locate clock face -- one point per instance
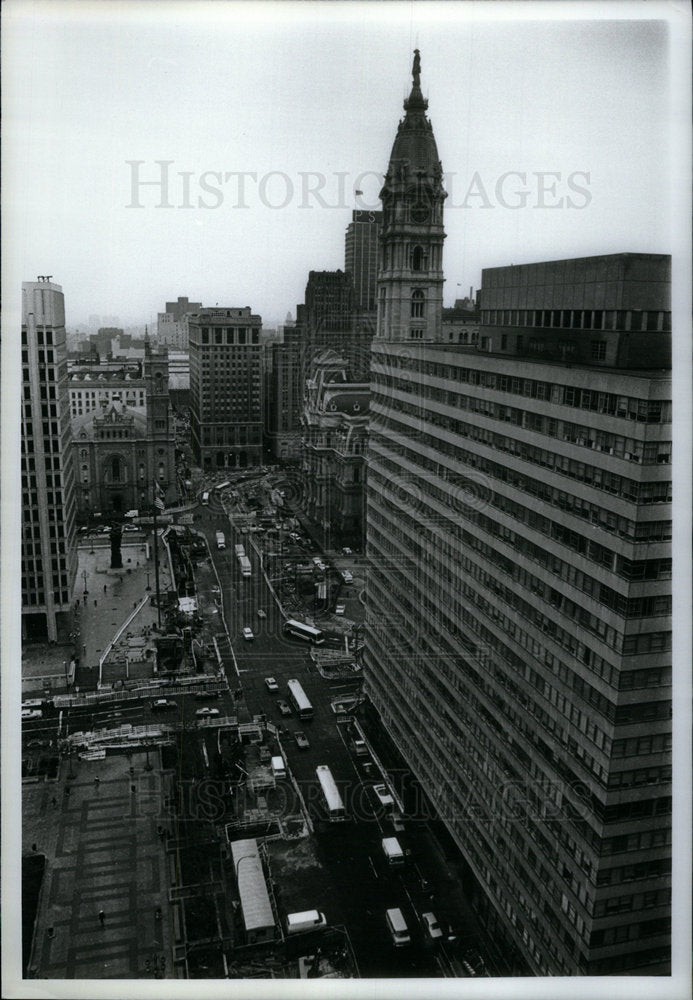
(420, 212)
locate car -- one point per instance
(206, 695)
(261, 613)
(130, 527)
(302, 741)
(202, 712)
(340, 608)
(431, 925)
(32, 713)
(346, 551)
(161, 704)
(284, 707)
(347, 576)
(383, 795)
(248, 633)
(271, 684)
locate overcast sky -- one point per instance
(308, 96)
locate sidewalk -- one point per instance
(103, 598)
(103, 853)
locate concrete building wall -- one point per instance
(49, 550)
(519, 536)
(226, 388)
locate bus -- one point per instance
(297, 697)
(303, 631)
(205, 499)
(335, 806)
(222, 486)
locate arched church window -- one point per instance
(418, 301)
(418, 258)
(115, 469)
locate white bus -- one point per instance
(303, 631)
(297, 697)
(335, 806)
(205, 499)
(222, 486)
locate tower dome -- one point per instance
(414, 151)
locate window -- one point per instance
(418, 259)
(417, 303)
(598, 350)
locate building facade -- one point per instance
(361, 252)
(49, 548)
(226, 388)
(284, 395)
(92, 386)
(124, 453)
(172, 324)
(334, 425)
(519, 646)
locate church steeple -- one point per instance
(410, 280)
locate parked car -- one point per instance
(347, 576)
(261, 613)
(302, 741)
(271, 684)
(284, 707)
(340, 608)
(206, 695)
(201, 712)
(346, 551)
(383, 795)
(32, 713)
(248, 633)
(433, 928)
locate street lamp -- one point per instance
(84, 577)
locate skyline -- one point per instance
(527, 124)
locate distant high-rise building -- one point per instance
(361, 256)
(329, 319)
(226, 390)
(519, 592)
(284, 396)
(49, 549)
(172, 324)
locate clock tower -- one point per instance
(410, 278)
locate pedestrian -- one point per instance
(102, 917)
(54, 801)
(95, 603)
(105, 588)
(97, 781)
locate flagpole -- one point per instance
(156, 559)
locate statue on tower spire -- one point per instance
(416, 69)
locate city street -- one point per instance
(353, 885)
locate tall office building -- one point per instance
(49, 549)
(361, 245)
(226, 391)
(519, 525)
(329, 319)
(284, 397)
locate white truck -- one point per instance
(221, 540)
(392, 850)
(239, 550)
(245, 565)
